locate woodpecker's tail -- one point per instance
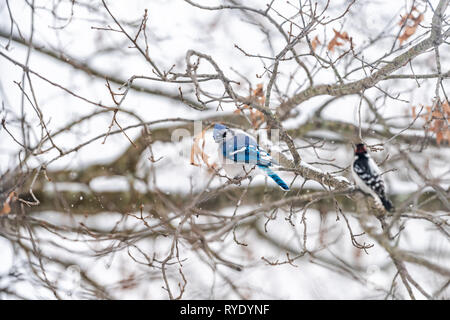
(275, 177)
(387, 203)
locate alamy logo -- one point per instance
(235, 145)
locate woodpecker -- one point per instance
(368, 177)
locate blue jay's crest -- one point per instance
(360, 148)
(219, 132)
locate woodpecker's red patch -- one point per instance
(360, 148)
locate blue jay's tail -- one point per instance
(275, 177)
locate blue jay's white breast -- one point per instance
(233, 169)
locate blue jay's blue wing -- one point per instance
(242, 148)
(251, 154)
(275, 177)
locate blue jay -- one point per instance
(240, 153)
(368, 177)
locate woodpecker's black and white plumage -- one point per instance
(368, 177)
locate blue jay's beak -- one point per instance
(219, 131)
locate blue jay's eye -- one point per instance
(224, 134)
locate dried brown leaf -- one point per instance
(411, 23)
(436, 120)
(198, 151)
(6, 205)
(335, 43)
(315, 43)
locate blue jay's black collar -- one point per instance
(222, 132)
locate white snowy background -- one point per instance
(179, 27)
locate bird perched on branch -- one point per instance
(240, 153)
(368, 177)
